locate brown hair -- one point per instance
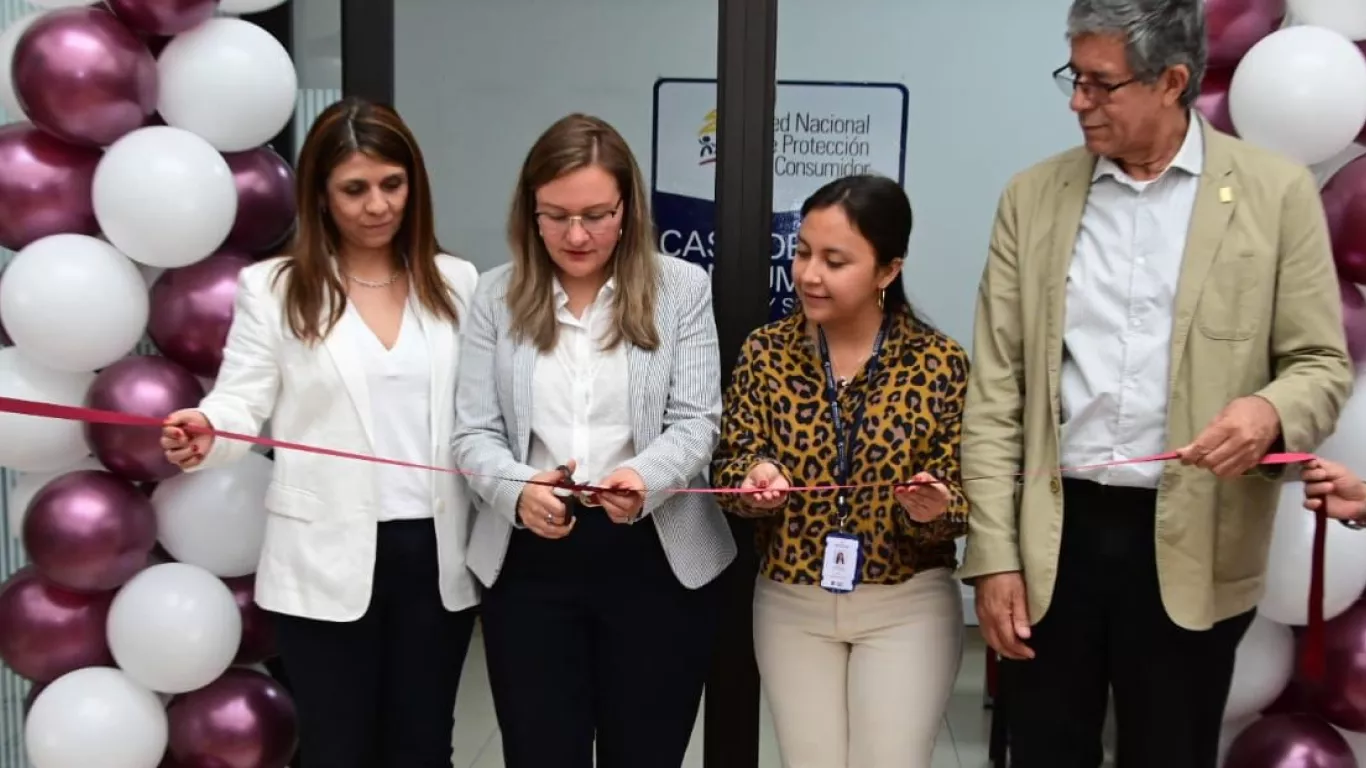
(574, 142)
(314, 296)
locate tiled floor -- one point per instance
(962, 740)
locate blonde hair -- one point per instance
(574, 142)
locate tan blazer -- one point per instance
(1257, 311)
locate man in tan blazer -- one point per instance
(1163, 288)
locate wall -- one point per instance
(479, 81)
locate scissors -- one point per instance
(585, 498)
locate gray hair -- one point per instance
(1157, 34)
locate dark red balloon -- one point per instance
(265, 200)
(47, 631)
(1232, 27)
(44, 186)
(258, 633)
(145, 385)
(1344, 203)
(1354, 320)
(191, 311)
(163, 17)
(1290, 741)
(89, 531)
(1213, 99)
(244, 719)
(1341, 695)
(84, 77)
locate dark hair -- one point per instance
(878, 209)
(314, 297)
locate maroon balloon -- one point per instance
(1232, 27)
(1290, 741)
(191, 311)
(1213, 99)
(1354, 320)
(44, 186)
(89, 531)
(265, 200)
(163, 17)
(1341, 695)
(258, 633)
(1344, 202)
(82, 76)
(145, 385)
(244, 719)
(47, 631)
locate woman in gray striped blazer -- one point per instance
(592, 358)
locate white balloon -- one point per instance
(27, 485)
(1346, 17)
(216, 518)
(8, 40)
(96, 716)
(1357, 742)
(1300, 91)
(73, 303)
(242, 7)
(1287, 572)
(1265, 662)
(164, 196)
(174, 628)
(228, 81)
(32, 443)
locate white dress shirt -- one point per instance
(581, 405)
(399, 381)
(1121, 291)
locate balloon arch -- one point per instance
(135, 186)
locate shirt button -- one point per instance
(1054, 485)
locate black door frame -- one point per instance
(746, 65)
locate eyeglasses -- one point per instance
(594, 223)
(1096, 93)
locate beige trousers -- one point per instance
(859, 680)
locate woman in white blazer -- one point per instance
(591, 356)
(351, 342)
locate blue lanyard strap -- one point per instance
(844, 440)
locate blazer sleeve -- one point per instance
(248, 383)
(1313, 371)
(692, 412)
(993, 427)
(480, 443)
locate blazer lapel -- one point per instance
(352, 373)
(441, 352)
(638, 364)
(1071, 204)
(1214, 205)
(523, 380)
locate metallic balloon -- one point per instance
(266, 208)
(44, 186)
(1232, 27)
(191, 311)
(163, 17)
(1290, 741)
(1213, 99)
(145, 385)
(244, 719)
(1341, 696)
(1344, 202)
(84, 77)
(1354, 320)
(47, 631)
(89, 531)
(258, 633)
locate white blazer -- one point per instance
(318, 559)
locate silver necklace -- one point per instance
(373, 284)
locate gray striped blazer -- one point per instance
(676, 405)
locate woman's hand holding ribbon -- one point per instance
(765, 486)
(623, 507)
(540, 509)
(926, 500)
(185, 438)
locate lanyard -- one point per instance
(844, 439)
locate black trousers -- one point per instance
(1107, 628)
(592, 637)
(380, 690)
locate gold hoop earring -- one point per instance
(881, 297)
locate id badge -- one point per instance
(843, 559)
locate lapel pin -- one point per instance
(1226, 194)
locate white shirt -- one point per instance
(581, 405)
(1121, 291)
(399, 381)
